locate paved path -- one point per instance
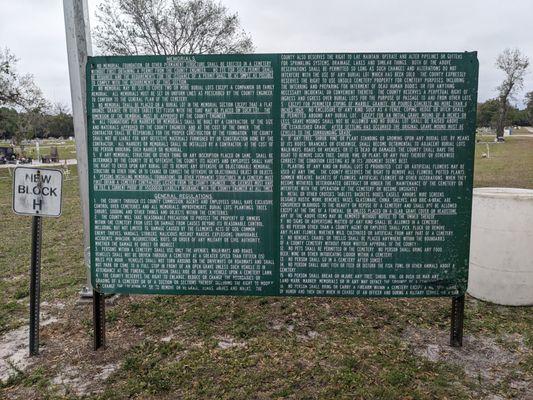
(72, 161)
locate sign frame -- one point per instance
(458, 300)
(276, 192)
(37, 170)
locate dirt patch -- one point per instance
(14, 351)
(73, 380)
(55, 305)
(14, 278)
(482, 358)
(310, 335)
(167, 338)
(280, 325)
(71, 367)
(226, 342)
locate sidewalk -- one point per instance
(72, 161)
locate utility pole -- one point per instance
(79, 47)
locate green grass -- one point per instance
(510, 163)
(296, 348)
(341, 363)
(522, 130)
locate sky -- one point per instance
(34, 31)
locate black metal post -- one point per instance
(458, 313)
(35, 283)
(99, 319)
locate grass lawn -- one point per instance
(523, 130)
(510, 163)
(194, 347)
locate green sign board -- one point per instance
(282, 174)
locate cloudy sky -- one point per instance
(34, 31)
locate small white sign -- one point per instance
(37, 191)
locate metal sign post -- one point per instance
(458, 312)
(35, 283)
(36, 192)
(99, 319)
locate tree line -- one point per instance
(488, 114)
(18, 126)
(129, 27)
(24, 112)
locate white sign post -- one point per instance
(79, 47)
(36, 192)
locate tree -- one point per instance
(517, 117)
(8, 122)
(8, 88)
(130, 27)
(514, 65)
(30, 124)
(59, 123)
(487, 113)
(529, 107)
(18, 91)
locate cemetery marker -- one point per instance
(337, 174)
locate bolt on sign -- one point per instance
(282, 174)
(37, 191)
